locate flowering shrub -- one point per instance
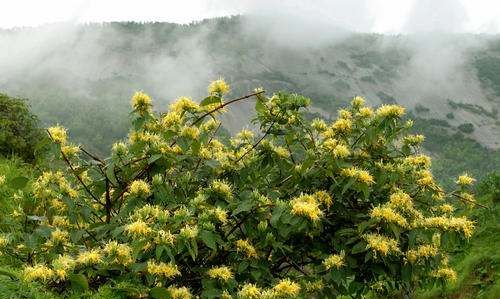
(305, 208)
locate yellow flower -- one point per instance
(141, 102)
(245, 134)
(362, 176)
(446, 273)
(319, 125)
(119, 149)
(120, 254)
(418, 161)
(426, 178)
(184, 104)
(221, 273)
(190, 132)
(58, 134)
(219, 87)
(344, 114)
(448, 223)
(138, 229)
(250, 291)
(38, 272)
(389, 215)
(390, 111)
(341, 151)
(3, 241)
(306, 205)
(342, 125)
(465, 180)
(170, 119)
(165, 238)
(381, 244)
(334, 260)
(246, 247)
(62, 265)
(189, 232)
(401, 200)
(179, 293)
(446, 208)
(139, 188)
(414, 139)
(222, 188)
(314, 286)
(220, 214)
(58, 237)
(69, 150)
(92, 257)
(281, 152)
(358, 101)
(366, 112)
(422, 252)
(286, 288)
(162, 269)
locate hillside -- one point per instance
(83, 76)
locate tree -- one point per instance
(19, 132)
(306, 208)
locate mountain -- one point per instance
(83, 75)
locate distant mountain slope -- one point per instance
(79, 74)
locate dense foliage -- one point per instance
(306, 208)
(19, 133)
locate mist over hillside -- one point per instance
(79, 74)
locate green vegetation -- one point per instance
(477, 263)
(19, 133)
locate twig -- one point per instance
(76, 174)
(225, 104)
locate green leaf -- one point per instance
(208, 238)
(159, 293)
(18, 182)
(259, 106)
(359, 247)
(211, 100)
(79, 282)
(110, 174)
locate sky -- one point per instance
(382, 16)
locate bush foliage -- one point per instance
(305, 208)
(19, 132)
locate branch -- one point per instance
(258, 142)
(76, 174)
(225, 104)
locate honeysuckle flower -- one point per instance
(218, 87)
(247, 248)
(465, 180)
(390, 111)
(141, 102)
(58, 134)
(286, 288)
(222, 273)
(162, 269)
(334, 260)
(250, 291)
(382, 244)
(139, 188)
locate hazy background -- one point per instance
(78, 62)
